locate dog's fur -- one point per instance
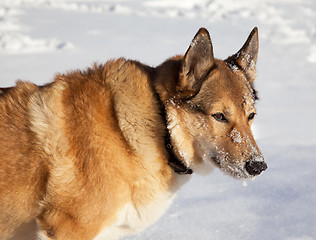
(91, 152)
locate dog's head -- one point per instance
(210, 106)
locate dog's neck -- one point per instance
(173, 161)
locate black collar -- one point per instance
(173, 161)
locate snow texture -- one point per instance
(41, 37)
(236, 137)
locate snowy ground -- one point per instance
(41, 37)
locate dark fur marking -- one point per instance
(3, 91)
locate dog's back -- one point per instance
(22, 171)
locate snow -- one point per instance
(236, 137)
(41, 37)
(13, 38)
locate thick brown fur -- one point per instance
(86, 153)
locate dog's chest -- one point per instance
(133, 219)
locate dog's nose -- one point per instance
(255, 167)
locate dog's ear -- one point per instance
(197, 63)
(246, 57)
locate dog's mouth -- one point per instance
(240, 169)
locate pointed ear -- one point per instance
(246, 57)
(197, 63)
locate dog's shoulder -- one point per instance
(135, 102)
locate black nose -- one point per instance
(255, 167)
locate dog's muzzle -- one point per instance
(254, 167)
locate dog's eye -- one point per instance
(220, 117)
(251, 116)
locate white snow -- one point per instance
(236, 137)
(14, 37)
(41, 37)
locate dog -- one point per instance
(101, 153)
